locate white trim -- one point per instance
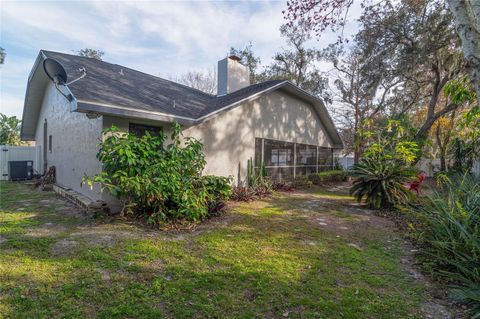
(135, 110)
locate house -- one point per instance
(275, 121)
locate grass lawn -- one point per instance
(300, 255)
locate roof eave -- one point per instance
(126, 112)
(28, 104)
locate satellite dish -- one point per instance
(55, 71)
(57, 74)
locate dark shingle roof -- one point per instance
(113, 84)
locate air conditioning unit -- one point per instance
(20, 170)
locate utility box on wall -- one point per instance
(20, 170)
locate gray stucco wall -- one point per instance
(74, 141)
(229, 138)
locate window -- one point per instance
(140, 129)
(50, 143)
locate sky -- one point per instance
(157, 37)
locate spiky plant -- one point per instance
(449, 230)
(381, 183)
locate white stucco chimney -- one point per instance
(232, 75)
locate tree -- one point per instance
(332, 14)
(205, 81)
(465, 147)
(298, 63)
(248, 58)
(2, 55)
(466, 15)
(416, 45)
(9, 130)
(443, 133)
(90, 53)
(360, 97)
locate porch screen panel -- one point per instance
(278, 157)
(306, 159)
(325, 159)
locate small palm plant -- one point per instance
(381, 183)
(386, 167)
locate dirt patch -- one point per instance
(103, 241)
(437, 306)
(64, 247)
(46, 230)
(105, 275)
(102, 235)
(434, 310)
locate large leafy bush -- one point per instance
(448, 225)
(162, 182)
(386, 167)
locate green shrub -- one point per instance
(328, 177)
(381, 183)
(218, 189)
(162, 182)
(301, 181)
(448, 226)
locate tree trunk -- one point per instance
(442, 148)
(466, 15)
